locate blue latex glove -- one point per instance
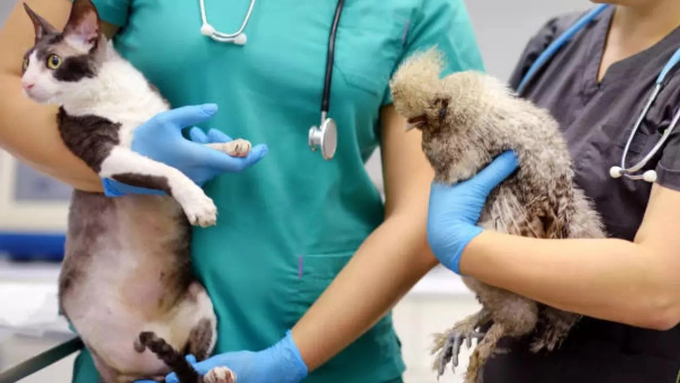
(454, 211)
(161, 139)
(280, 363)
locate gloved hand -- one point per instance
(280, 363)
(454, 210)
(161, 139)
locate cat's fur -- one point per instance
(467, 119)
(126, 283)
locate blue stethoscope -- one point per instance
(324, 136)
(615, 171)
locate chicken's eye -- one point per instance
(443, 108)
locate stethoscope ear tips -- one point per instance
(207, 30)
(649, 176)
(240, 39)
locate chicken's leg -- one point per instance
(484, 350)
(447, 345)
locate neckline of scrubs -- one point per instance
(618, 72)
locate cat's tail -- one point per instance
(183, 369)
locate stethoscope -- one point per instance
(324, 136)
(615, 171)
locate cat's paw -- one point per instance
(220, 375)
(235, 148)
(201, 211)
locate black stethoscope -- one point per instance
(324, 136)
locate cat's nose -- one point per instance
(27, 86)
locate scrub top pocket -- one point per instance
(315, 273)
(639, 144)
(592, 164)
(369, 44)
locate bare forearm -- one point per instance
(384, 269)
(29, 132)
(604, 278)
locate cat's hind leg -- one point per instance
(220, 375)
(203, 335)
(131, 168)
(107, 374)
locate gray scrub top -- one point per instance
(597, 118)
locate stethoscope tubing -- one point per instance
(224, 36)
(325, 133)
(557, 44)
(330, 59)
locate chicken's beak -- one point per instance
(416, 122)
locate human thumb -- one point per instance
(189, 115)
(496, 172)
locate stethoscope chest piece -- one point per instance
(324, 137)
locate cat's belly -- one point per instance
(126, 270)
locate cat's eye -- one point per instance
(53, 61)
(24, 66)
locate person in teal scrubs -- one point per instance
(306, 260)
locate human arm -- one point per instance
(384, 268)
(29, 131)
(395, 256)
(629, 282)
(635, 283)
(391, 260)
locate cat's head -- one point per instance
(60, 61)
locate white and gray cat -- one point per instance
(126, 283)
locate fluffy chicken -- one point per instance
(467, 119)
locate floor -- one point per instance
(432, 306)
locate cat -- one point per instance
(126, 283)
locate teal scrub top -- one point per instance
(288, 225)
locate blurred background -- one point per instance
(32, 204)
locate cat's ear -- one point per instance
(82, 28)
(41, 26)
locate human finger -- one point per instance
(216, 136)
(197, 135)
(188, 115)
(497, 171)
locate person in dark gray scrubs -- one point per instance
(596, 118)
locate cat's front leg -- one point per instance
(236, 148)
(126, 166)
